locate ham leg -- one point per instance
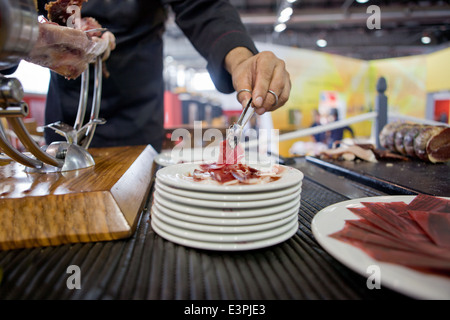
(65, 50)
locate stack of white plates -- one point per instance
(219, 217)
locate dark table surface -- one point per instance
(146, 266)
(394, 177)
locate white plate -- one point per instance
(220, 229)
(216, 237)
(402, 279)
(177, 174)
(225, 213)
(169, 158)
(226, 204)
(221, 246)
(226, 196)
(227, 221)
(199, 155)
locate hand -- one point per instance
(66, 51)
(108, 36)
(259, 73)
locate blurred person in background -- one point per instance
(318, 137)
(335, 136)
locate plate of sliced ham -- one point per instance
(201, 205)
(232, 178)
(184, 217)
(406, 238)
(230, 173)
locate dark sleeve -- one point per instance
(214, 27)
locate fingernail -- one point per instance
(259, 101)
(260, 111)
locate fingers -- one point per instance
(264, 71)
(242, 82)
(243, 96)
(108, 36)
(266, 76)
(111, 39)
(272, 85)
(282, 91)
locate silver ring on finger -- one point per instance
(276, 98)
(242, 90)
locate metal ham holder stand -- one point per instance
(58, 156)
(65, 194)
(20, 33)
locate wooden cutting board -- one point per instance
(99, 203)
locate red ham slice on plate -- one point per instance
(415, 235)
(228, 155)
(435, 224)
(232, 173)
(229, 169)
(429, 203)
(394, 215)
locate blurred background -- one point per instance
(335, 51)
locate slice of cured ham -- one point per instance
(239, 173)
(435, 224)
(229, 155)
(349, 153)
(229, 169)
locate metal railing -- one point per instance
(380, 118)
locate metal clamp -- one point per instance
(234, 133)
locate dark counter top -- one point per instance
(394, 177)
(145, 266)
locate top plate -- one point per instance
(405, 280)
(196, 155)
(208, 154)
(176, 176)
